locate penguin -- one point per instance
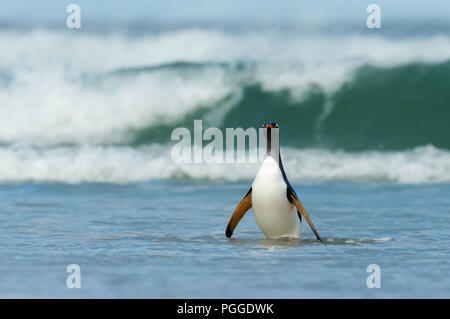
(278, 210)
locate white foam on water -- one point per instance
(116, 164)
(51, 110)
(384, 239)
(48, 101)
(57, 89)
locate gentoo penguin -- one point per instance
(276, 206)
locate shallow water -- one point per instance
(166, 239)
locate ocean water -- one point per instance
(87, 177)
(166, 240)
(101, 106)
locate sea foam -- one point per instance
(114, 164)
(62, 88)
(71, 103)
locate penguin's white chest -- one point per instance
(275, 215)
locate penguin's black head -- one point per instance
(270, 125)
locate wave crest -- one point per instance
(115, 164)
(129, 90)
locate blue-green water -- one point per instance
(166, 239)
(87, 176)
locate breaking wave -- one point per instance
(115, 164)
(101, 107)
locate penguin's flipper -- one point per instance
(240, 210)
(304, 212)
